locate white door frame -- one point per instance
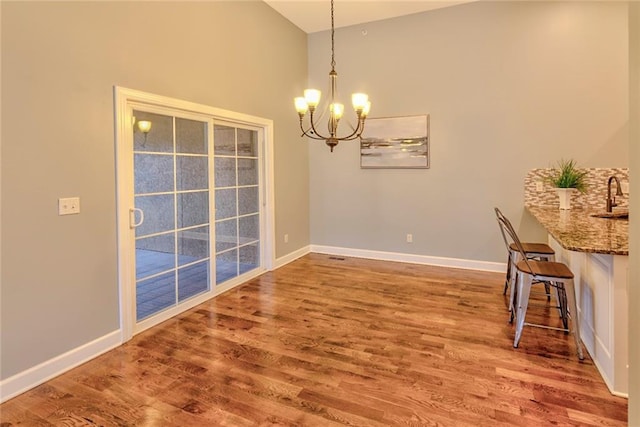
(124, 101)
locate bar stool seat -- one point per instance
(545, 268)
(540, 251)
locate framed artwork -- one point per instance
(395, 142)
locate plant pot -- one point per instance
(564, 194)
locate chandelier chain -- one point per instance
(333, 58)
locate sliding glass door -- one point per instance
(195, 202)
(237, 201)
(171, 190)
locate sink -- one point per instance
(612, 215)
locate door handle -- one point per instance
(132, 217)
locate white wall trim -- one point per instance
(602, 372)
(413, 258)
(292, 256)
(51, 368)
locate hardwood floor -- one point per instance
(324, 342)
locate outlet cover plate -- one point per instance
(69, 206)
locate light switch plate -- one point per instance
(69, 206)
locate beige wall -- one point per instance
(60, 62)
(634, 250)
(510, 86)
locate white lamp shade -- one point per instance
(144, 126)
(337, 110)
(301, 105)
(359, 100)
(366, 109)
(312, 96)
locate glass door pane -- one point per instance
(193, 216)
(171, 184)
(237, 200)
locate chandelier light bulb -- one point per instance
(301, 105)
(359, 100)
(365, 110)
(337, 110)
(312, 96)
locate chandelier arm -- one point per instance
(305, 131)
(313, 134)
(313, 128)
(354, 135)
(361, 126)
(356, 132)
(309, 135)
(313, 137)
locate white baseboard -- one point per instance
(290, 257)
(51, 368)
(412, 258)
(605, 377)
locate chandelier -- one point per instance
(309, 102)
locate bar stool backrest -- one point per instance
(507, 230)
(500, 217)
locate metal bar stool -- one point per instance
(558, 275)
(537, 251)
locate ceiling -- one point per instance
(315, 15)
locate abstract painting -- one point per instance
(395, 142)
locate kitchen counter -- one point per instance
(597, 252)
(576, 230)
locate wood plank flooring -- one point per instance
(323, 342)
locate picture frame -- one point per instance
(396, 143)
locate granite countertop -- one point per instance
(577, 230)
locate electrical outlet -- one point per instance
(539, 186)
(409, 238)
(286, 238)
(69, 206)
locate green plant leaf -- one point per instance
(568, 175)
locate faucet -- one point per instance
(611, 201)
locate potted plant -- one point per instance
(567, 178)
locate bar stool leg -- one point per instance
(552, 258)
(524, 288)
(513, 278)
(575, 323)
(513, 296)
(563, 307)
(547, 288)
(508, 276)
